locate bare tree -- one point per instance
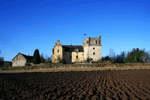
(42, 58)
(112, 55)
(48, 59)
(145, 55)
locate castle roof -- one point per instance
(68, 48)
(28, 58)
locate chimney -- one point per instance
(82, 44)
(58, 41)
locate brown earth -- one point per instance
(93, 85)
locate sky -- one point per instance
(26, 25)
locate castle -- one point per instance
(91, 47)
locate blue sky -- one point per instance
(26, 25)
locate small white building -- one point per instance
(20, 60)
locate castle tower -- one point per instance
(92, 48)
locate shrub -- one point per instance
(27, 64)
(1, 61)
(89, 59)
(4, 69)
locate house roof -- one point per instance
(67, 48)
(28, 58)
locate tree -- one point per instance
(42, 58)
(135, 55)
(1, 61)
(107, 58)
(111, 55)
(120, 58)
(122, 55)
(148, 60)
(48, 59)
(36, 57)
(145, 56)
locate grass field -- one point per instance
(72, 69)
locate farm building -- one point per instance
(20, 59)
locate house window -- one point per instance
(93, 53)
(96, 41)
(76, 56)
(70, 57)
(82, 54)
(93, 48)
(87, 41)
(57, 50)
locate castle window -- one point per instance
(87, 41)
(76, 56)
(93, 53)
(99, 42)
(57, 50)
(93, 48)
(96, 41)
(70, 57)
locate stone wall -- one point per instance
(97, 51)
(80, 56)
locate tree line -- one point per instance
(134, 56)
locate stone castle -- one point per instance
(91, 47)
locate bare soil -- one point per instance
(84, 85)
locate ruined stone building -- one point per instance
(91, 47)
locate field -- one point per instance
(93, 85)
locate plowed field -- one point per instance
(93, 85)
